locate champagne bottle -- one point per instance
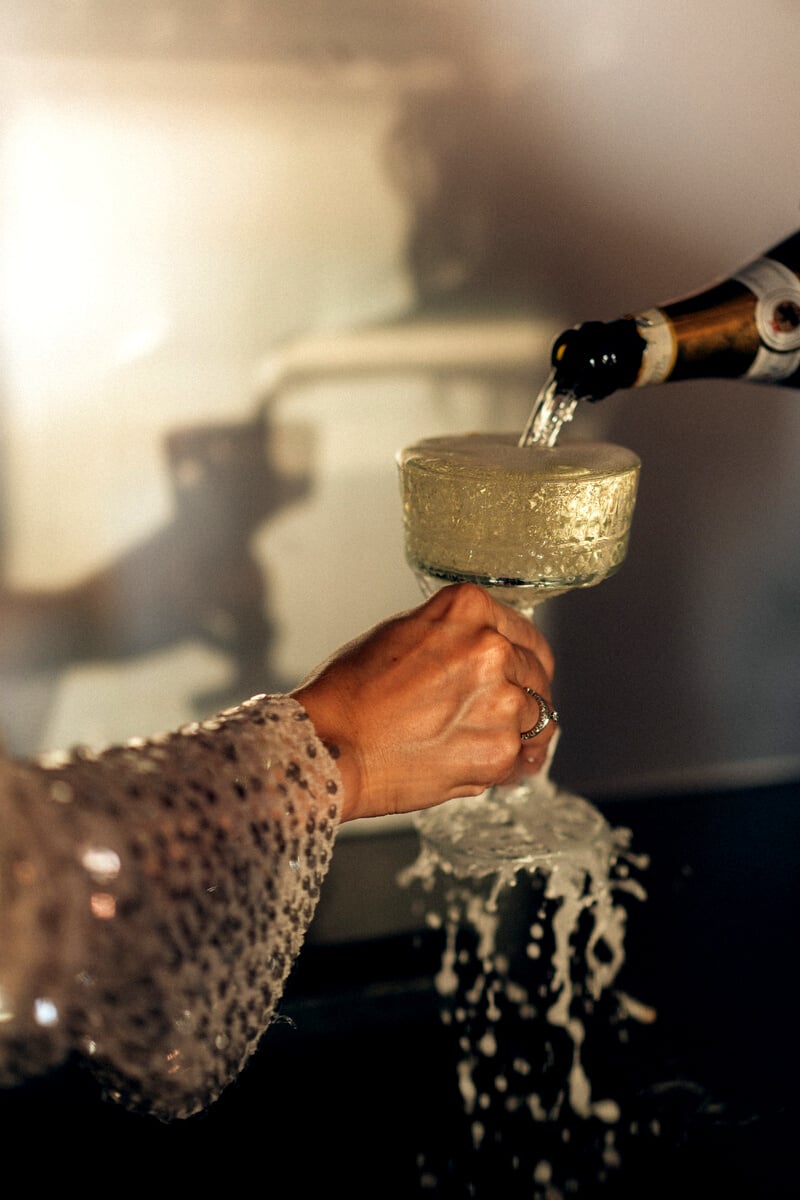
(745, 327)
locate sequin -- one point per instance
(185, 852)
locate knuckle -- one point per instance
(468, 598)
(492, 649)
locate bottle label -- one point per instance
(777, 291)
(660, 349)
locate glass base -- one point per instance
(515, 592)
(535, 824)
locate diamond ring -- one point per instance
(546, 715)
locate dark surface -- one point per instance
(356, 1089)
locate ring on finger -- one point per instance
(546, 715)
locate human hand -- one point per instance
(430, 704)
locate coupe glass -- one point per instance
(528, 523)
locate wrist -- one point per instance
(341, 752)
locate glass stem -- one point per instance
(542, 777)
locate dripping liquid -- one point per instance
(532, 949)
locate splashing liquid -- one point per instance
(532, 950)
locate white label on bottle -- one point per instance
(660, 348)
(768, 365)
(777, 291)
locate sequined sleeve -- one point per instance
(153, 898)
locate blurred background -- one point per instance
(251, 248)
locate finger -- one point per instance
(538, 754)
(526, 668)
(545, 716)
(530, 762)
(479, 608)
(522, 632)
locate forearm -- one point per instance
(155, 897)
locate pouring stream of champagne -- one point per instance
(553, 408)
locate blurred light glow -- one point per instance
(45, 1011)
(58, 217)
(102, 863)
(81, 293)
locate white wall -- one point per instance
(172, 220)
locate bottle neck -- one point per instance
(598, 358)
